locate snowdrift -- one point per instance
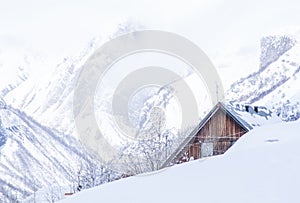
(263, 166)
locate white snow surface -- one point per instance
(250, 118)
(263, 166)
(276, 86)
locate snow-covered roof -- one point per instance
(250, 116)
(276, 180)
(247, 116)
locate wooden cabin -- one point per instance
(218, 131)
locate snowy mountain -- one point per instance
(37, 127)
(272, 47)
(260, 167)
(38, 148)
(19, 68)
(276, 83)
(49, 101)
(34, 156)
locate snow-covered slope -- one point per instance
(37, 144)
(272, 47)
(263, 166)
(273, 85)
(33, 156)
(37, 147)
(49, 100)
(276, 83)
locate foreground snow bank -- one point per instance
(263, 166)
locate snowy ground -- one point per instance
(263, 166)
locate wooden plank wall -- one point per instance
(221, 129)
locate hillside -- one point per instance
(276, 83)
(34, 111)
(263, 166)
(33, 156)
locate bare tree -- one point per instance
(90, 174)
(148, 154)
(53, 194)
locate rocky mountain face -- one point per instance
(275, 84)
(272, 47)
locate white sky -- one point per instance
(228, 31)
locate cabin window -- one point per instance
(207, 149)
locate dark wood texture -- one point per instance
(220, 129)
